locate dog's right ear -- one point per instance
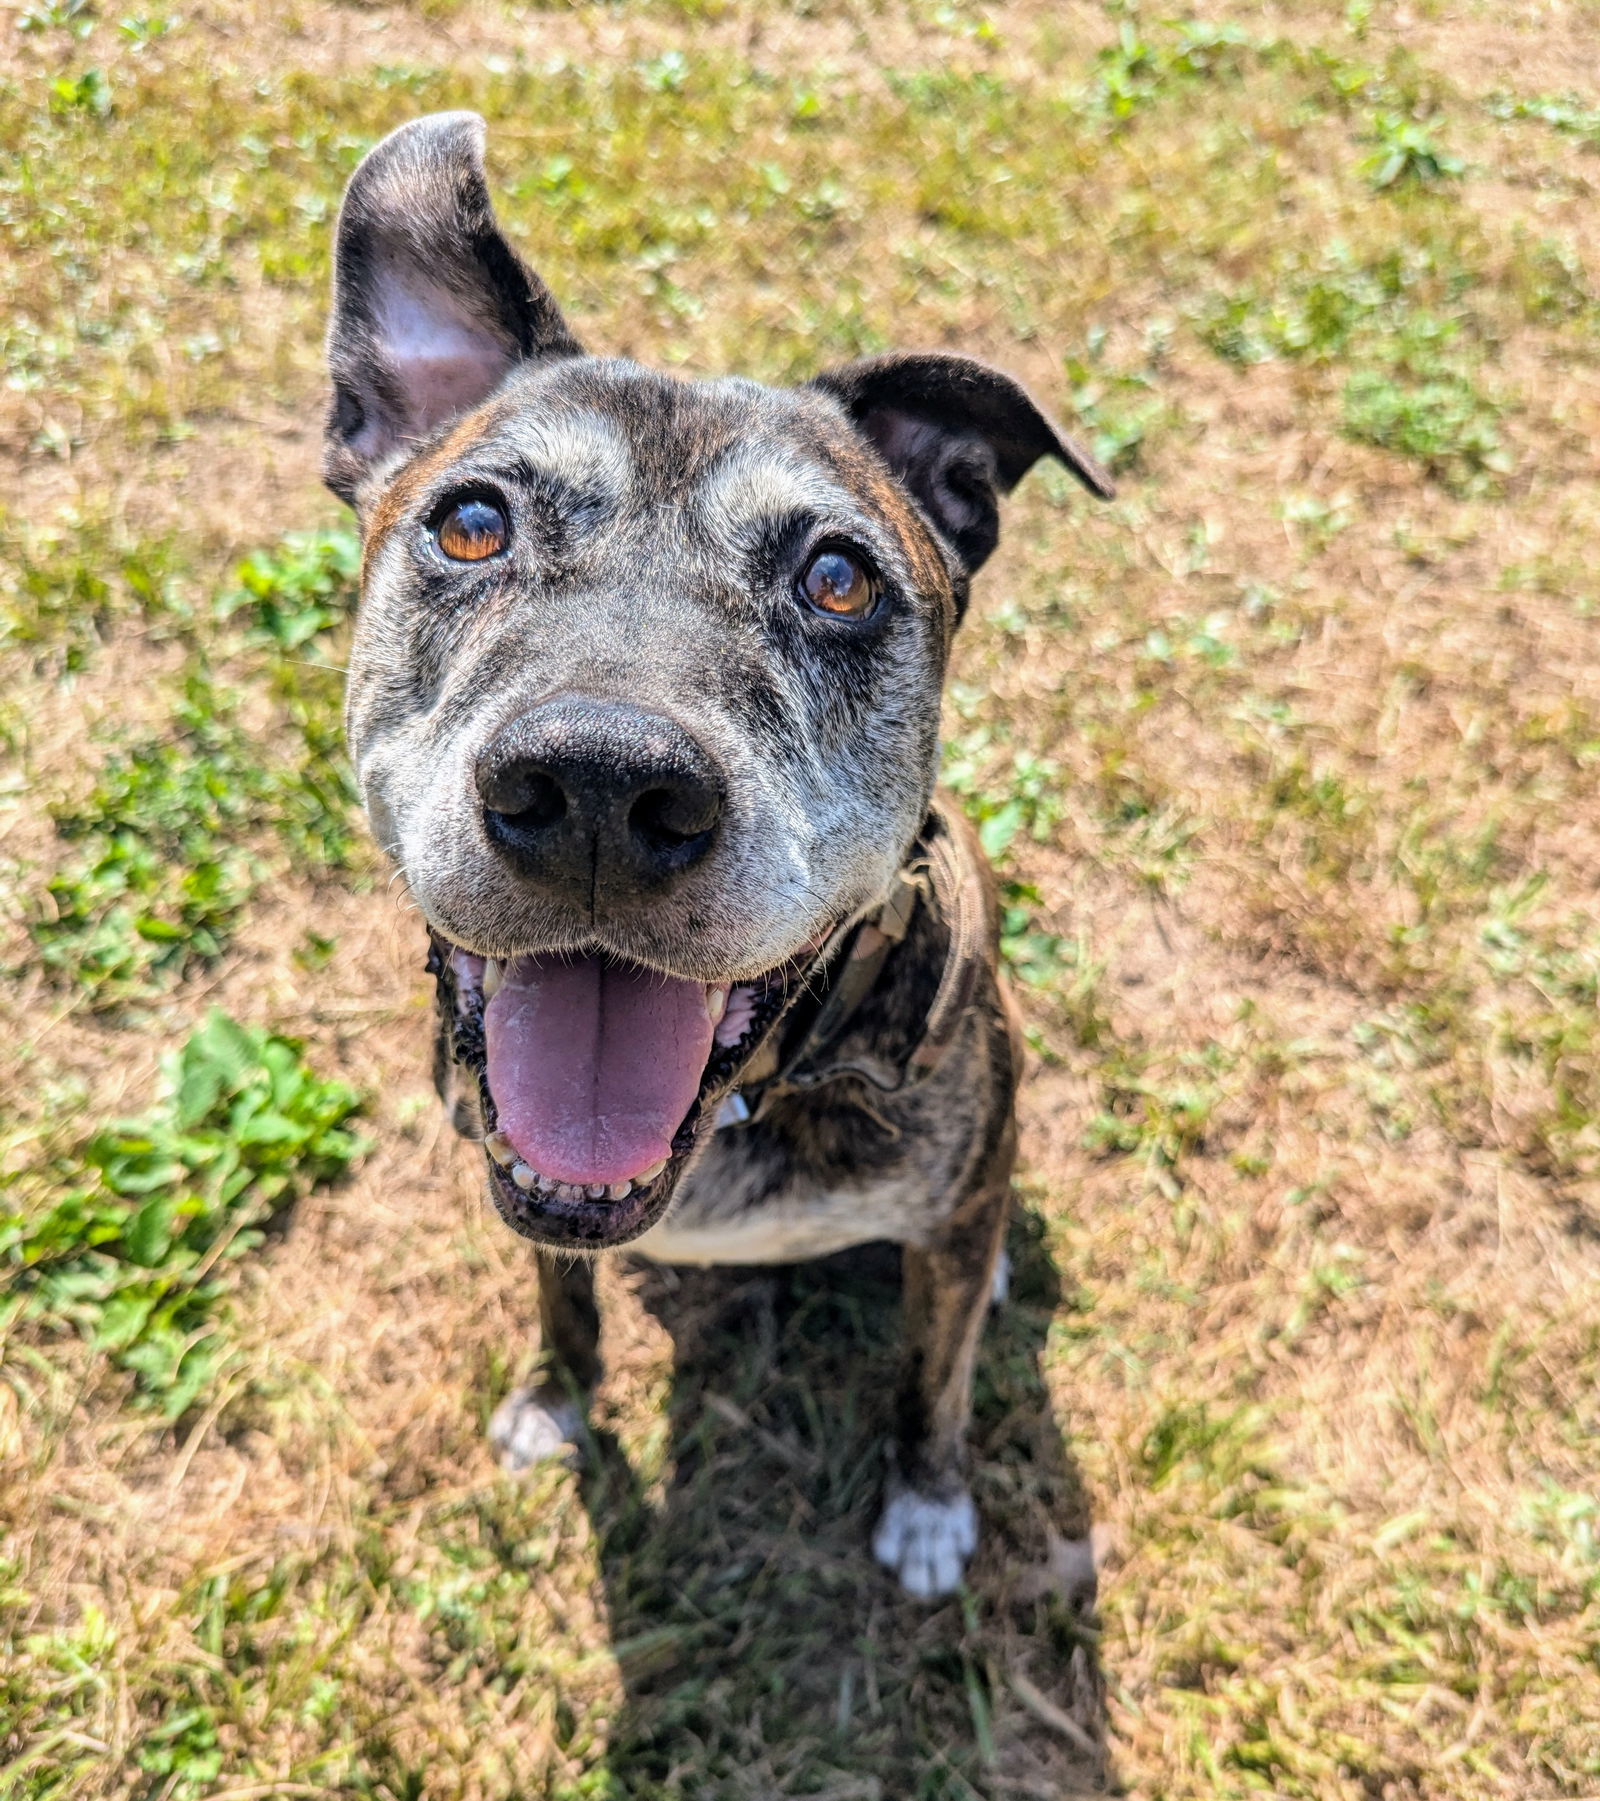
(432, 308)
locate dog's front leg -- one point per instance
(929, 1525)
(542, 1421)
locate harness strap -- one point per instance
(963, 894)
(937, 874)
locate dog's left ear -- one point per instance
(432, 308)
(958, 434)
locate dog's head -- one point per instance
(644, 689)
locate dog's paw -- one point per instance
(926, 1542)
(534, 1426)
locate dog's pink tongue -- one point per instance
(593, 1066)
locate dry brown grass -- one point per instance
(1307, 1325)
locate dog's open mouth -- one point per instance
(595, 1078)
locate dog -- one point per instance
(643, 702)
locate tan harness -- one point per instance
(941, 873)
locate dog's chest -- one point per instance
(731, 1210)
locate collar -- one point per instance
(804, 1050)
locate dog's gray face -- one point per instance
(644, 691)
(629, 728)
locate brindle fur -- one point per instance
(658, 525)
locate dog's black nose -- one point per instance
(598, 801)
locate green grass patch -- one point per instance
(1566, 113)
(1402, 327)
(1444, 422)
(182, 825)
(131, 1248)
(65, 586)
(175, 836)
(293, 591)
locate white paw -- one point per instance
(926, 1542)
(1000, 1281)
(529, 1427)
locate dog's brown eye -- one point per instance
(473, 530)
(835, 583)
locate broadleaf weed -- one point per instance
(169, 843)
(297, 589)
(127, 1243)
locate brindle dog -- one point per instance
(644, 702)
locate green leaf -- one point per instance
(159, 931)
(215, 1062)
(125, 1315)
(997, 831)
(149, 1235)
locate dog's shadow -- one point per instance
(762, 1651)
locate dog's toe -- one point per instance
(533, 1426)
(926, 1541)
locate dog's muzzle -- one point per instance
(599, 1079)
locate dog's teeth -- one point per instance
(716, 1004)
(528, 1179)
(491, 978)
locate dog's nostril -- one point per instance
(528, 799)
(666, 818)
(588, 799)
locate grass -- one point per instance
(1287, 762)
(161, 869)
(122, 1247)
